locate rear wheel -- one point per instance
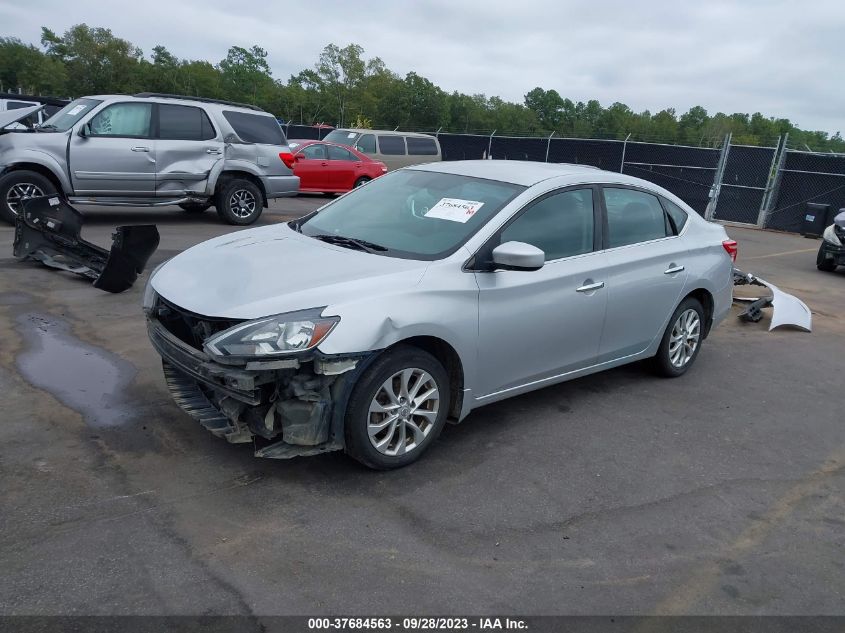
(239, 201)
(195, 207)
(17, 186)
(823, 263)
(397, 408)
(681, 340)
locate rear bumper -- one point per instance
(280, 186)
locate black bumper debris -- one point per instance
(48, 230)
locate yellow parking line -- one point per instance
(803, 250)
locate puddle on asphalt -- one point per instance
(85, 378)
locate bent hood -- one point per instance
(13, 116)
(271, 270)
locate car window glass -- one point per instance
(338, 153)
(19, 105)
(341, 137)
(315, 152)
(255, 128)
(123, 119)
(678, 215)
(632, 217)
(561, 225)
(392, 145)
(183, 123)
(367, 144)
(420, 146)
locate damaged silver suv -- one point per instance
(148, 150)
(427, 293)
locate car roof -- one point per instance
(359, 130)
(517, 172)
(176, 99)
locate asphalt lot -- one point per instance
(619, 493)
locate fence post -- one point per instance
(624, 147)
(437, 133)
(717, 179)
(490, 146)
(761, 214)
(549, 145)
(775, 190)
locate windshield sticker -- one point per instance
(454, 209)
(350, 135)
(76, 110)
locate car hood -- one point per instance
(271, 270)
(13, 116)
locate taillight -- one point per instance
(731, 248)
(287, 159)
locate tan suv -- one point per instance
(394, 149)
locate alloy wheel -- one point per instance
(403, 412)
(20, 192)
(242, 203)
(684, 339)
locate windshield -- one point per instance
(67, 117)
(412, 214)
(342, 137)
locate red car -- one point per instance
(331, 168)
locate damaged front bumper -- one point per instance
(288, 407)
(786, 308)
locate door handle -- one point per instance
(212, 150)
(590, 287)
(324, 163)
(140, 148)
(672, 270)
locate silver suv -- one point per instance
(149, 149)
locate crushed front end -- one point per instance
(287, 406)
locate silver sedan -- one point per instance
(427, 293)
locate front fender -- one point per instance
(36, 157)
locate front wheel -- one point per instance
(239, 201)
(823, 263)
(17, 186)
(681, 340)
(363, 180)
(397, 408)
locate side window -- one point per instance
(315, 152)
(561, 225)
(633, 216)
(186, 123)
(367, 144)
(338, 153)
(392, 145)
(123, 119)
(677, 214)
(420, 146)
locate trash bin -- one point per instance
(816, 219)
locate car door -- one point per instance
(535, 325)
(344, 168)
(645, 271)
(312, 167)
(187, 147)
(115, 153)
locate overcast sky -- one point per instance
(782, 58)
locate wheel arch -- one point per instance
(230, 174)
(58, 182)
(707, 302)
(451, 361)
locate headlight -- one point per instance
(830, 235)
(149, 294)
(273, 336)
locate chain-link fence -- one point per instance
(764, 186)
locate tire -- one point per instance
(19, 185)
(372, 391)
(674, 357)
(361, 181)
(239, 201)
(195, 207)
(823, 263)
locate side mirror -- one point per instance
(84, 130)
(518, 256)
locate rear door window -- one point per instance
(420, 146)
(338, 153)
(186, 123)
(677, 214)
(255, 128)
(633, 217)
(392, 145)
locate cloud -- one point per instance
(775, 57)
